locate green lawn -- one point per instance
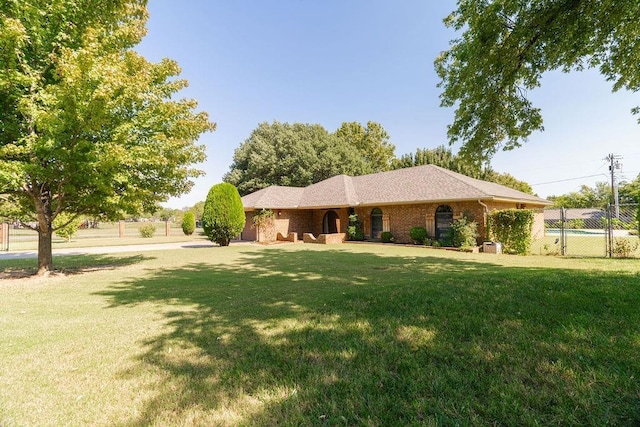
(355, 334)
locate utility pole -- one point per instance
(613, 165)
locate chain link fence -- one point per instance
(596, 232)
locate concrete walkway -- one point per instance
(111, 249)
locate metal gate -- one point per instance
(609, 232)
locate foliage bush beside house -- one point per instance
(512, 228)
(263, 222)
(355, 230)
(464, 233)
(223, 217)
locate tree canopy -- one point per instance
(299, 155)
(371, 142)
(507, 45)
(87, 125)
(443, 156)
(291, 154)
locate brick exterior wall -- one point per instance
(297, 221)
(249, 231)
(398, 219)
(293, 221)
(401, 218)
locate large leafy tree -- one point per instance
(87, 125)
(506, 46)
(629, 191)
(290, 154)
(371, 142)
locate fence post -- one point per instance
(4, 236)
(120, 229)
(563, 232)
(167, 228)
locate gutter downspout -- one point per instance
(484, 219)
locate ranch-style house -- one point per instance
(427, 196)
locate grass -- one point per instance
(321, 335)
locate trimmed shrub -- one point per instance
(223, 217)
(418, 235)
(512, 228)
(147, 230)
(386, 237)
(189, 223)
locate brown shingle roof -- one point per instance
(274, 197)
(337, 191)
(419, 184)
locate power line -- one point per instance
(569, 179)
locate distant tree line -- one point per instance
(599, 196)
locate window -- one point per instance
(444, 219)
(376, 223)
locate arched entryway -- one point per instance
(444, 219)
(376, 223)
(330, 223)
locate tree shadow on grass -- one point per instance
(341, 338)
(26, 268)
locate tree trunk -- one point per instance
(45, 256)
(42, 201)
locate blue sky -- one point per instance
(330, 61)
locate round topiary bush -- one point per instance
(386, 237)
(418, 235)
(189, 223)
(223, 216)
